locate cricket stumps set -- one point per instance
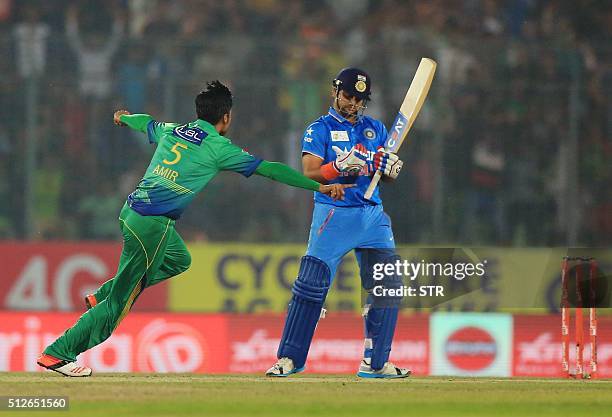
(585, 266)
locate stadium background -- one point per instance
(510, 153)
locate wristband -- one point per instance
(329, 171)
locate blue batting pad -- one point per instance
(380, 327)
(381, 312)
(309, 292)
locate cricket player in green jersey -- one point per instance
(187, 157)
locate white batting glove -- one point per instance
(388, 163)
(352, 161)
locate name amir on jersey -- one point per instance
(166, 172)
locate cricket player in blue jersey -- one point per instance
(344, 146)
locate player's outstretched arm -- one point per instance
(283, 173)
(134, 121)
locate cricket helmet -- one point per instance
(355, 82)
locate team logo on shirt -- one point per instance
(369, 133)
(190, 134)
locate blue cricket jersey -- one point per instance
(334, 130)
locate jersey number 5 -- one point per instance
(176, 152)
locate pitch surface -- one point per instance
(310, 395)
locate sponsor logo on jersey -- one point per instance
(190, 134)
(339, 136)
(369, 133)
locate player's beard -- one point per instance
(349, 114)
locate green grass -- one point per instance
(118, 395)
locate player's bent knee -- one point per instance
(180, 264)
(313, 280)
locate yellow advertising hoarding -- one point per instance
(249, 278)
(252, 278)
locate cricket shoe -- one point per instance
(284, 367)
(90, 301)
(387, 371)
(65, 368)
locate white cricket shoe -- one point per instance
(63, 367)
(283, 367)
(387, 371)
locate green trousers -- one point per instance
(152, 252)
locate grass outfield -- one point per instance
(118, 395)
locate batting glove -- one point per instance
(352, 161)
(388, 163)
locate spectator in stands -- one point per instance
(31, 37)
(94, 54)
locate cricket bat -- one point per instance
(409, 110)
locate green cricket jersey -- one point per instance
(188, 156)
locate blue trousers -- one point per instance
(337, 230)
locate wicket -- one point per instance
(565, 317)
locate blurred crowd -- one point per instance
(513, 147)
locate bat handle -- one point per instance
(373, 184)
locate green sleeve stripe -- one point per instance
(285, 174)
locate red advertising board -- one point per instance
(143, 342)
(337, 346)
(537, 346)
(56, 276)
(216, 343)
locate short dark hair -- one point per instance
(213, 102)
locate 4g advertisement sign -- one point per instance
(56, 276)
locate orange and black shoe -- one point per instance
(63, 367)
(90, 301)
